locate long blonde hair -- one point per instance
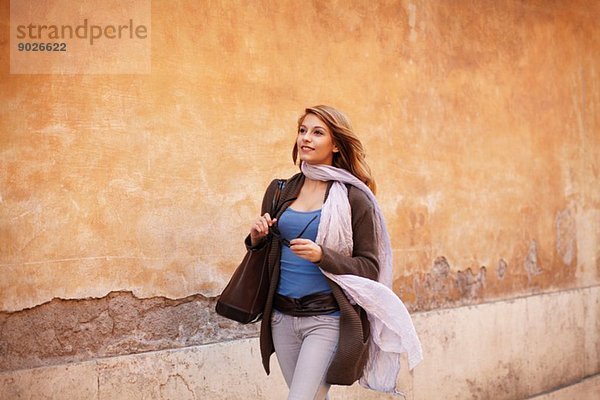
(351, 155)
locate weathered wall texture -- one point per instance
(480, 119)
(64, 331)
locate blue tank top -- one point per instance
(299, 277)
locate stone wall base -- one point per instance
(512, 349)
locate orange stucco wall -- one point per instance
(480, 119)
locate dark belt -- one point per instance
(313, 304)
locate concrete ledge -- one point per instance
(503, 350)
(228, 370)
(588, 389)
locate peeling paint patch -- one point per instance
(63, 331)
(501, 269)
(470, 285)
(441, 267)
(566, 233)
(531, 261)
(442, 286)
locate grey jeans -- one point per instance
(305, 347)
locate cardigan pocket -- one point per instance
(363, 351)
(366, 325)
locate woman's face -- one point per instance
(315, 141)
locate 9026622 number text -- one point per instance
(35, 46)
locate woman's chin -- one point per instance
(313, 161)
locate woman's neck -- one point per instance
(313, 184)
(311, 196)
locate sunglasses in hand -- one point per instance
(274, 230)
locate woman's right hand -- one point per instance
(260, 228)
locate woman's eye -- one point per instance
(301, 130)
(318, 132)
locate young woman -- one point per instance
(327, 239)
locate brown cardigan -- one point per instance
(351, 355)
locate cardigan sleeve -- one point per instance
(265, 207)
(363, 261)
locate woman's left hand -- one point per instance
(307, 249)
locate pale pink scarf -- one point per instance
(392, 330)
